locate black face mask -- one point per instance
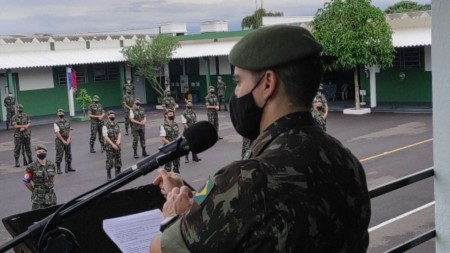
(189, 107)
(171, 117)
(112, 118)
(245, 114)
(96, 102)
(212, 92)
(19, 111)
(137, 105)
(42, 156)
(61, 116)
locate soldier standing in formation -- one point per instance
(212, 105)
(138, 120)
(10, 104)
(318, 114)
(188, 118)
(96, 113)
(168, 102)
(221, 93)
(321, 98)
(22, 136)
(128, 100)
(128, 86)
(169, 131)
(63, 142)
(39, 178)
(112, 135)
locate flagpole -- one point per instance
(70, 91)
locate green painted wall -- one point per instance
(416, 87)
(109, 92)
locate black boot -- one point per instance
(92, 149)
(69, 167)
(108, 174)
(103, 148)
(17, 162)
(195, 158)
(126, 131)
(58, 168)
(135, 154)
(186, 158)
(7, 125)
(117, 171)
(144, 153)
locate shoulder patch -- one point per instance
(201, 195)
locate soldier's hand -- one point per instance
(22, 129)
(178, 202)
(114, 146)
(167, 181)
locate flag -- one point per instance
(71, 79)
(74, 80)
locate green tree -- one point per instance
(83, 99)
(356, 33)
(255, 20)
(150, 58)
(407, 6)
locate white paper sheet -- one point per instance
(133, 233)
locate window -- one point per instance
(409, 57)
(192, 66)
(176, 67)
(104, 72)
(61, 77)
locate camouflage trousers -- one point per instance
(138, 135)
(96, 128)
(40, 199)
(173, 166)
(222, 102)
(213, 118)
(127, 120)
(113, 158)
(9, 115)
(22, 143)
(62, 149)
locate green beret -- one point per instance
(111, 112)
(20, 106)
(273, 46)
(38, 147)
(60, 110)
(211, 87)
(95, 98)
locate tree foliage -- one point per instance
(407, 6)
(83, 99)
(149, 58)
(255, 20)
(356, 33)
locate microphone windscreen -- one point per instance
(200, 136)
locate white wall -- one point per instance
(427, 58)
(35, 79)
(212, 66)
(224, 65)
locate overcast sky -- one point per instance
(27, 17)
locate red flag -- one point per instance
(74, 80)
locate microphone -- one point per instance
(196, 138)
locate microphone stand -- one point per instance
(140, 169)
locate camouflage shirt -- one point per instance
(21, 119)
(96, 109)
(169, 103)
(211, 100)
(171, 131)
(64, 127)
(42, 181)
(300, 191)
(319, 119)
(320, 97)
(128, 99)
(190, 116)
(221, 88)
(138, 115)
(112, 131)
(9, 103)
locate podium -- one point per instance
(87, 224)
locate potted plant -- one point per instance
(84, 100)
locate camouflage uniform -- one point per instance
(245, 147)
(299, 191)
(321, 98)
(128, 99)
(113, 157)
(169, 103)
(128, 86)
(191, 118)
(138, 131)
(319, 119)
(64, 128)
(10, 104)
(22, 140)
(96, 125)
(213, 117)
(221, 93)
(42, 180)
(171, 132)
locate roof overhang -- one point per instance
(59, 58)
(412, 37)
(203, 50)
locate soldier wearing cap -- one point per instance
(128, 86)
(39, 178)
(10, 104)
(128, 101)
(212, 106)
(189, 118)
(221, 93)
(112, 136)
(22, 136)
(168, 132)
(96, 113)
(168, 102)
(322, 99)
(63, 142)
(318, 114)
(299, 190)
(138, 120)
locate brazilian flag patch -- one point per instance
(201, 195)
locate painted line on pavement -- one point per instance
(401, 216)
(395, 150)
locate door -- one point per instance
(3, 94)
(139, 88)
